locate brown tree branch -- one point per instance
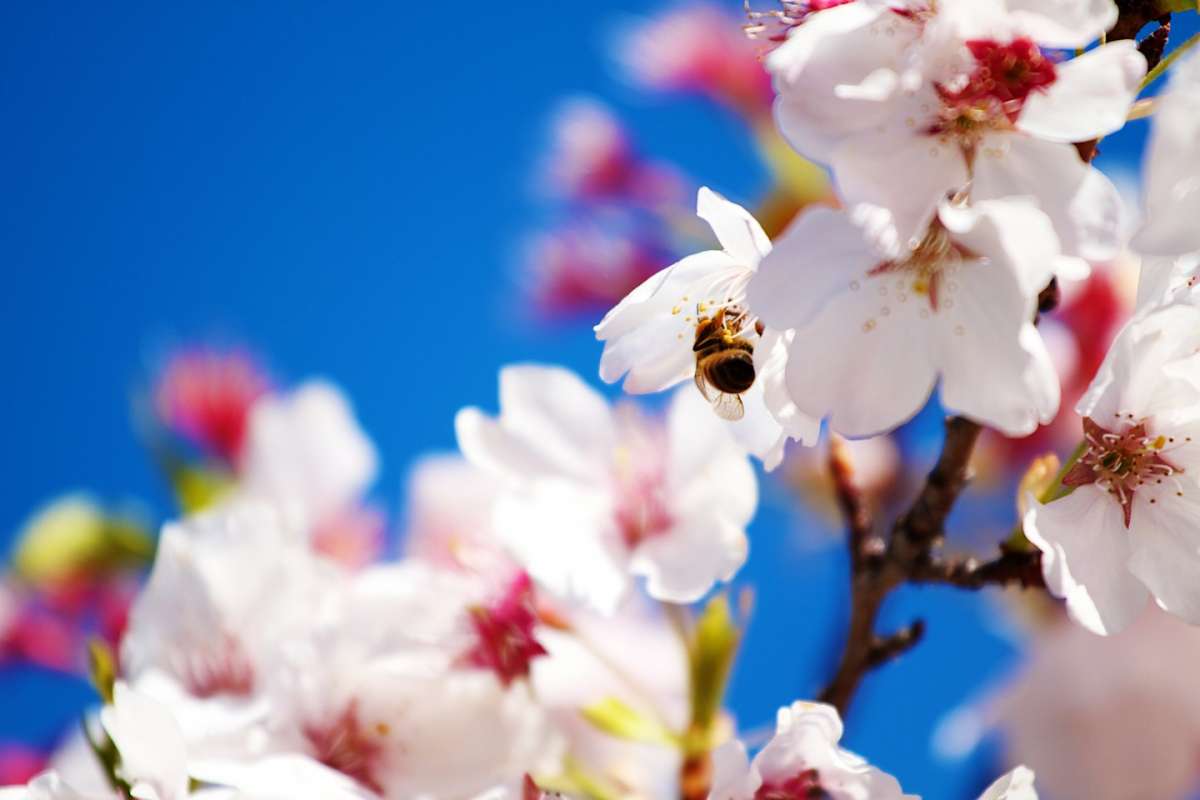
(909, 554)
(875, 575)
(850, 499)
(1010, 568)
(1134, 15)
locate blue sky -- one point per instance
(344, 187)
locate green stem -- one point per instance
(1016, 539)
(1053, 491)
(1168, 60)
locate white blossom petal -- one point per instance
(1172, 170)
(153, 752)
(866, 370)
(1063, 23)
(995, 367)
(1085, 558)
(1090, 96)
(738, 232)
(816, 258)
(648, 336)
(1080, 200)
(1166, 548)
(835, 74)
(682, 566)
(903, 171)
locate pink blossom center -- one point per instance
(927, 265)
(640, 484)
(992, 95)
(346, 746)
(504, 632)
(804, 785)
(1123, 461)
(224, 669)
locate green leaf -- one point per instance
(616, 718)
(713, 647)
(1169, 6)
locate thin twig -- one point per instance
(1171, 58)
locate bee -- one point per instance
(724, 362)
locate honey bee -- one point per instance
(724, 362)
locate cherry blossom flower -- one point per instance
(593, 160)
(632, 655)
(877, 325)
(708, 55)
(803, 759)
(403, 692)
(650, 337)
(910, 107)
(205, 396)
(588, 266)
(306, 453)
(1106, 718)
(229, 587)
(1128, 529)
(594, 496)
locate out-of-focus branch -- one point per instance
(910, 554)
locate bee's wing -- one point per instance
(728, 406)
(707, 392)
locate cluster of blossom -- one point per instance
(618, 216)
(255, 665)
(949, 128)
(538, 634)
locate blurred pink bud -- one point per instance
(205, 396)
(30, 633)
(586, 269)
(592, 159)
(702, 49)
(18, 764)
(354, 537)
(113, 602)
(1092, 311)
